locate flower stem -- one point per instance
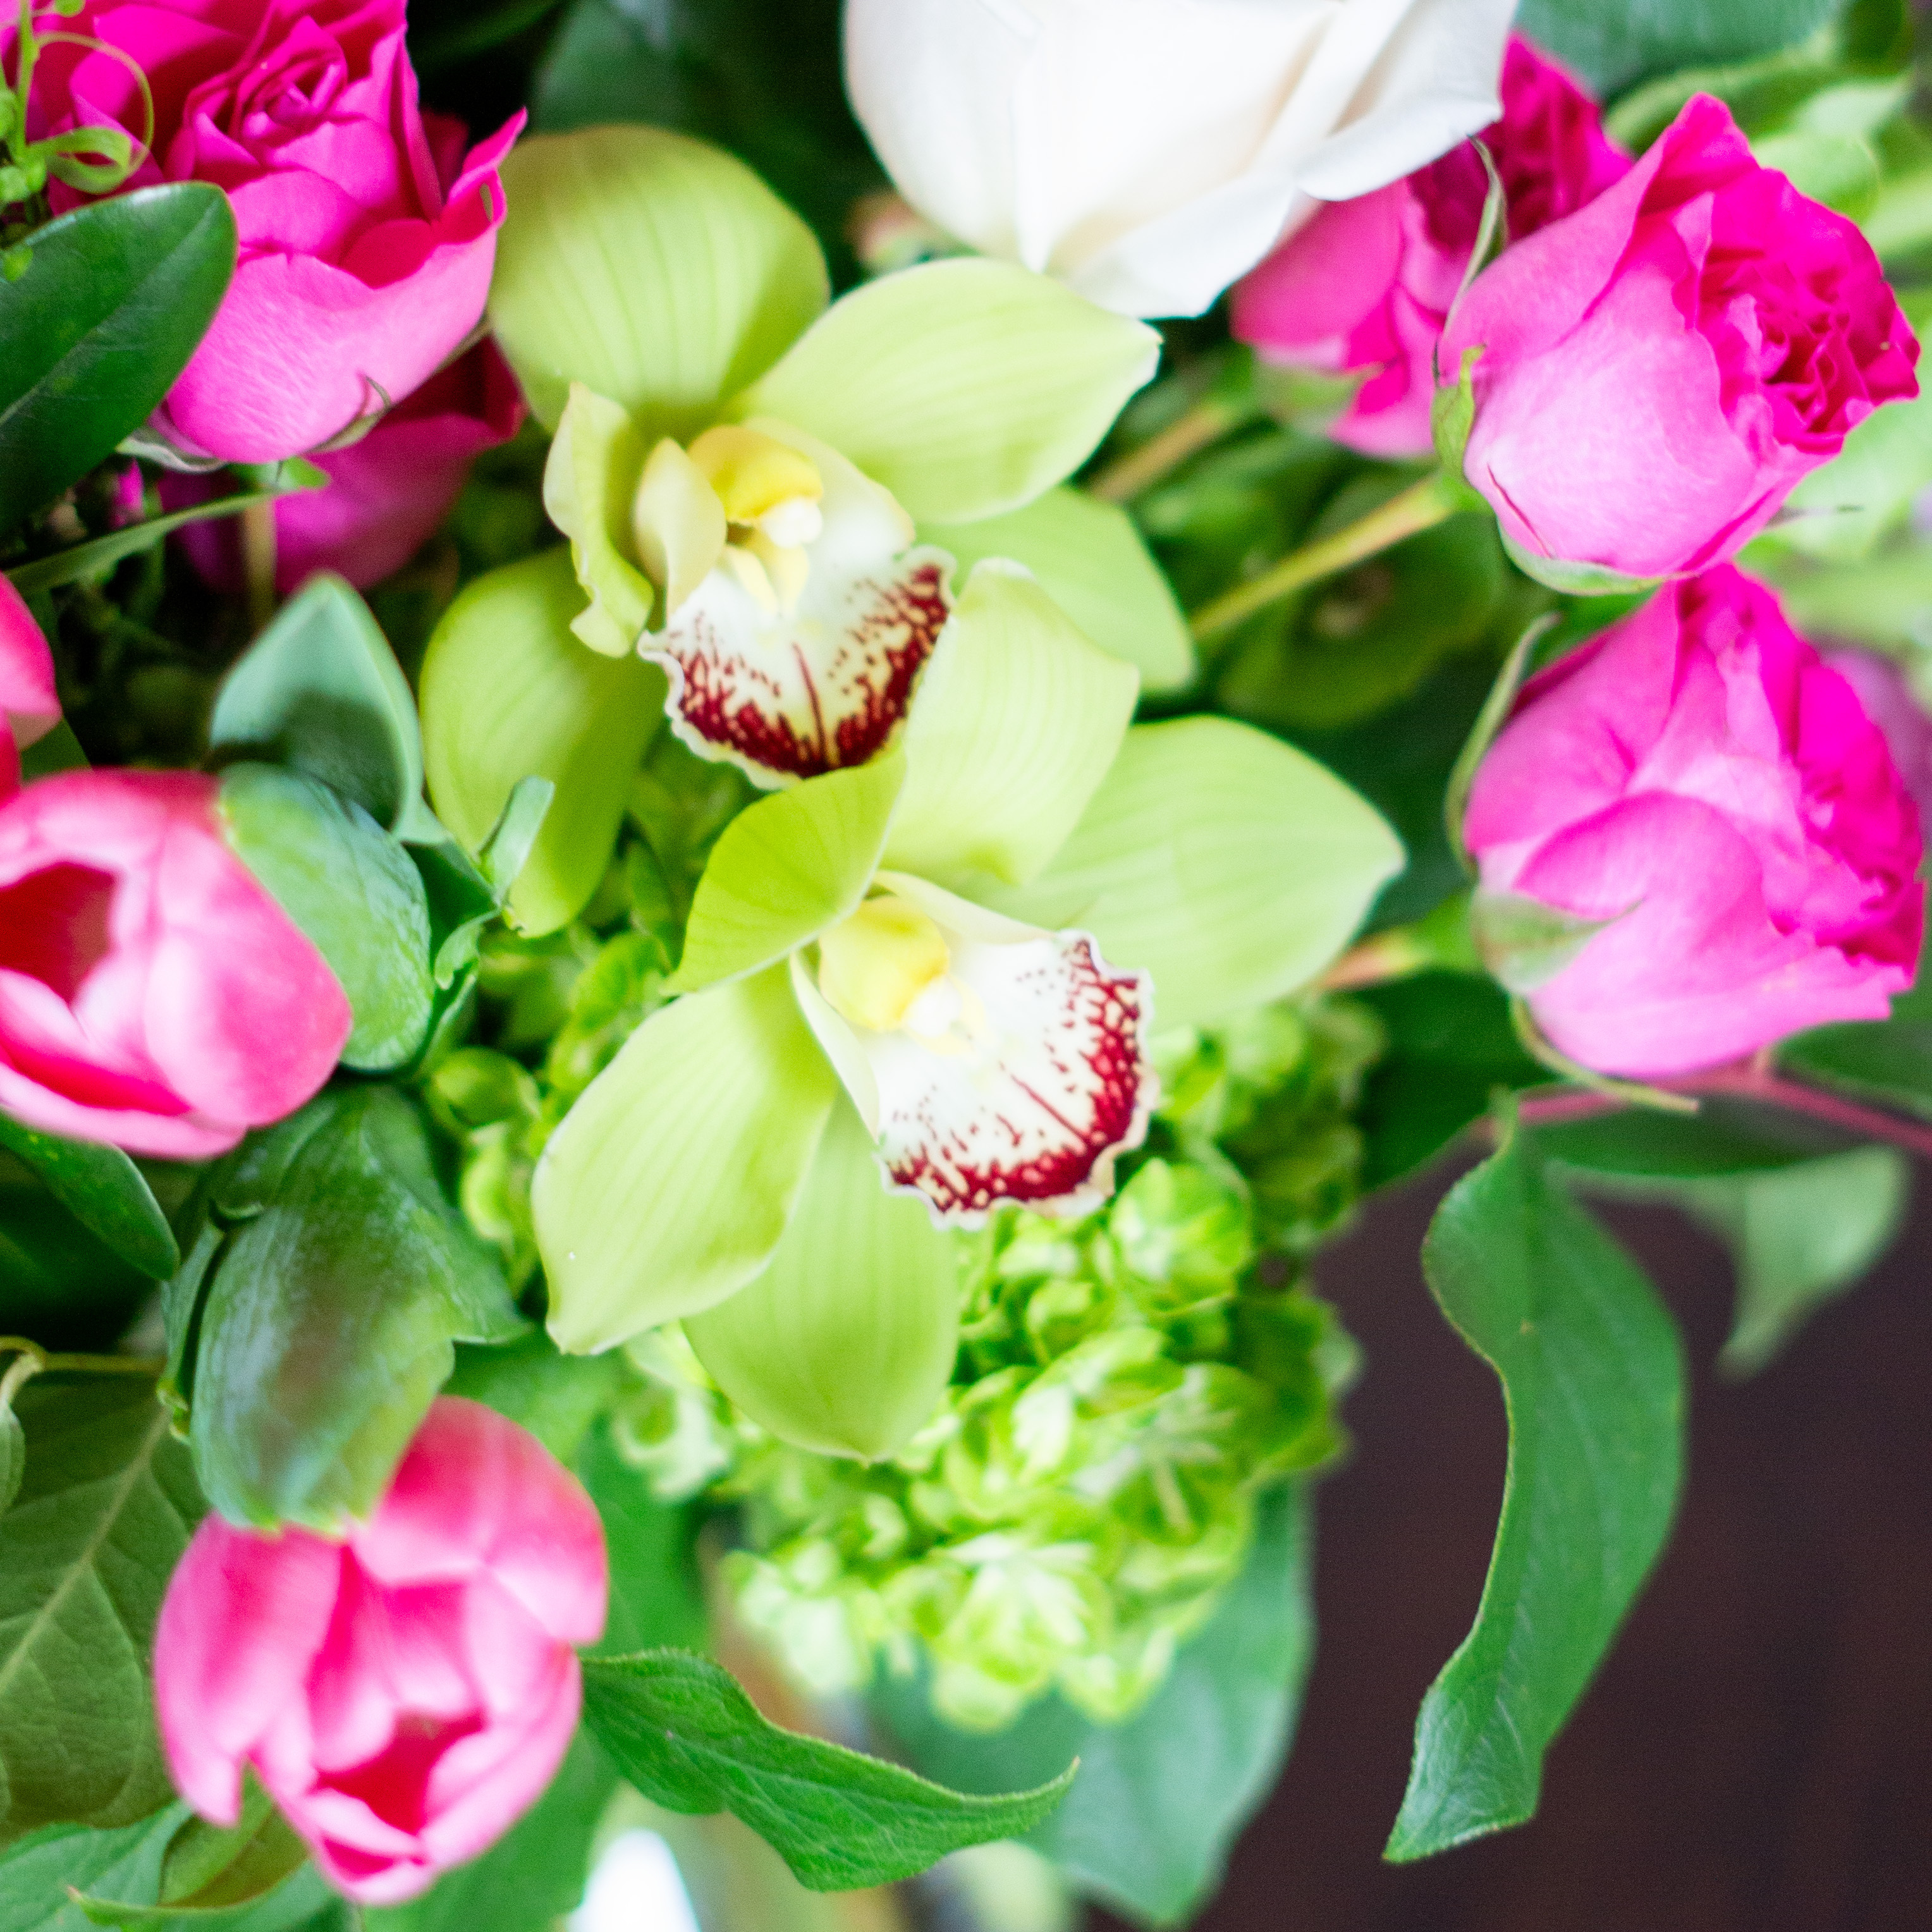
(258, 560)
(1140, 469)
(1419, 508)
(35, 1361)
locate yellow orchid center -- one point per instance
(873, 966)
(764, 484)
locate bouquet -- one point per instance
(752, 758)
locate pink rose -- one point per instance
(1660, 368)
(405, 1695)
(1698, 778)
(386, 494)
(1366, 286)
(28, 708)
(1889, 703)
(152, 994)
(367, 235)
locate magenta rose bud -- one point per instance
(152, 994)
(367, 234)
(1365, 288)
(1658, 370)
(1698, 780)
(404, 1696)
(28, 707)
(386, 494)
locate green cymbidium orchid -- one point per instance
(765, 496)
(964, 941)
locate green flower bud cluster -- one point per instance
(1125, 1383)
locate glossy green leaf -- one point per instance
(12, 1457)
(112, 304)
(684, 1733)
(670, 1182)
(104, 1512)
(557, 1398)
(967, 388)
(1593, 1376)
(1230, 865)
(126, 1861)
(786, 868)
(1889, 1061)
(1018, 720)
(1159, 1799)
(352, 889)
(508, 694)
(1725, 1139)
(1615, 41)
(654, 269)
(330, 1311)
(1090, 559)
(57, 1283)
(320, 690)
(104, 1190)
(845, 1344)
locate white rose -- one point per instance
(1149, 152)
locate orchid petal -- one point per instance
(508, 694)
(1230, 866)
(1094, 563)
(785, 868)
(671, 1181)
(1017, 721)
(678, 522)
(834, 1033)
(656, 270)
(845, 1343)
(966, 388)
(589, 483)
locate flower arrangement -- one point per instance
(749, 764)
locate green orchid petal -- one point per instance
(1229, 865)
(845, 1343)
(966, 388)
(786, 867)
(1017, 721)
(654, 269)
(589, 485)
(508, 694)
(671, 1181)
(1091, 561)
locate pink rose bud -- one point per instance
(386, 494)
(406, 1696)
(1658, 370)
(1697, 779)
(1365, 287)
(28, 708)
(367, 234)
(152, 994)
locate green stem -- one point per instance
(1140, 469)
(1419, 508)
(23, 82)
(35, 1361)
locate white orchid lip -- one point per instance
(797, 648)
(1018, 1073)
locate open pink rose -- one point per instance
(152, 994)
(367, 235)
(385, 494)
(28, 708)
(405, 1695)
(1698, 778)
(1365, 287)
(1658, 370)
(1890, 703)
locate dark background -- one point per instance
(1757, 1754)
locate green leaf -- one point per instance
(58, 1283)
(1160, 1797)
(102, 1516)
(36, 1872)
(1725, 1138)
(508, 694)
(329, 1321)
(1230, 865)
(967, 388)
(655, 270)
(1593, 1376)
(104, 1190)
(670, 1182)
(1018, 719)
(1572, 579)
(845, 1343)
(320, 690)
(1525, 943)
(657, 1598)
(92, 336)
(786, 868)
(1091, 561)
(1842, 512)
(557, 1398)
(352, 890)
(1614, 42)
(1889, 1061)
(684, 1733)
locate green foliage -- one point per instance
(104, 1512)
(123, 1862)
(657, 1600)
(104, 1190)
(1616, 41)
(1159, 1797)
(1593, 1376)
(112, 304)
(1889, 1061)
(58, 1283)
(683, 1732)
